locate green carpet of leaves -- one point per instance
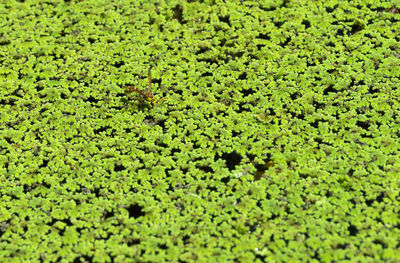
(277, 140)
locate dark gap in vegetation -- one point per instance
(208, 60)
(316, 255)
(259, 47)
(330, 44)
(133, 241)
(356, 27)
(206, 169)
(118, 108)
(4, 42)
(202, 50)
(83, 259)
(178, 14)
(360, 83)
(380, 197)
(329, 89)
(364, 124)
(261, 167)
(247, 92)
(286, 42)
(351, 83)
(95, 191)
(242, 76)
(237, 54)
(175, 150)
(135, 211)
(295, 95)
(258, 256)
(92, 99)
(353, 231)
(16, 93)
(119, 64)
(318, 140)
(44, 163)
(299, 116)
(161, 144)
(303, 175)
(119, 168)
(231, 159)
(101, 129)
(206, 74)
(315, 124)
(225, 180)
(278, 24)
(381, 243)
(212, 188)
(330, 71)
(162, 246)
(363, 110)
(310, 64)
(373, 90)
(264, 36)
(29, 188)
(108, 214)
(285, 3)
(91, 40)
(178, 91)
(306, 23)
(331, 9)
(8, 101)
(225, 19)
(185, 239)
(252, 227)
(340, 32)
(328, 194)
(8, 140)
(235, 133)
(157, 81)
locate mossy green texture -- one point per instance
(277, 140)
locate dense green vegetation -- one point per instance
(277, 140)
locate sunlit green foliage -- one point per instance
(277, 141)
